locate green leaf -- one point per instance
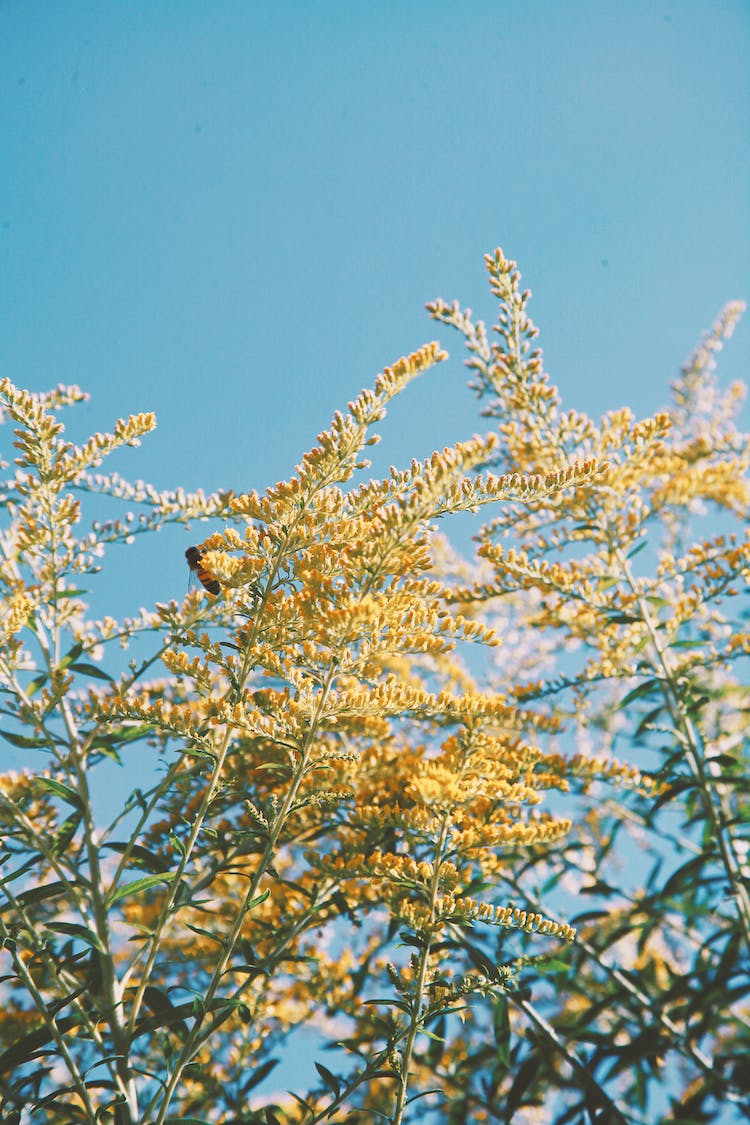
(206, 934)
(436, 1046)
(554, 965)
(65, 833)
(648, 720)
(301, 1101)
(424, 1094)
(725, 760)
(159, 1004)
(19, 871)
(646, 688)
(257, 900)
(105, 746)
(64, 792)
(411, 939)
(524, 1077)
(72, 655)
(589, 916)
(91, 670)
(607, 581)
(732, 781)
(139, 885)
(501, 1024)
(46, 890)
(37, 683)
(140, 856)
(129, 733)
(249, 972)
(478, 957)
(616, 618)
(25, 741)
(26, 1049)
(389, 1002)
(685, 876)
(259, 1074)
(74, 929)
(679, 785)
(331, 1081)
(167, 1017)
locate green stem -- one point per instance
(417, 1014)
(615, 1117)
(718, 819)
(110, 989)
(174, 888)
(50, 1021)
(650, 1010)
(192, 1043)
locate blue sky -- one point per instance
(233, 213)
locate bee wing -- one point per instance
(198, 573)
(192, 556)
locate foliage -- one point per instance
(654, 1003)
(360, 832)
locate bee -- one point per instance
(206, 579)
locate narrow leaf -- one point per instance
(74, 929)
(64, 792)
(141, 857)
(72, 655)
(139, 885)
(23, 740)
(259, 1074)
(331, 1081)
(91, 670)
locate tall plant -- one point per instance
(637, 614)
(352, 838)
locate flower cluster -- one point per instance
(364, 793)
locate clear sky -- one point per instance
(232, 213)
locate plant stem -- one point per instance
(417, 1014)
(719, 818)
(580, 1068)
(192, 1043)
